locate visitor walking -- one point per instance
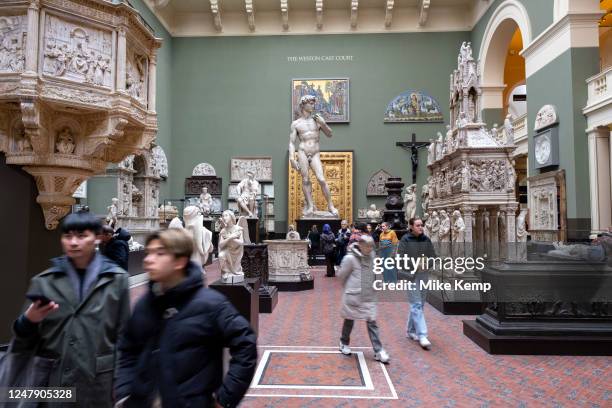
(114, 245)
(387, 246)
(174, 341)
(359, 298)
(342, 240)
(83, 306)
(314, 244)
(328, 240)
(415, 244)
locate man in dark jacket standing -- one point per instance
(173, 346)
(80, 326)
(115, 245)
(415, 244)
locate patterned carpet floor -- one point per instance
(300, 366)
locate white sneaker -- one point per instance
(344, 349)
(382, 356)
(424, 342)
(413, 336)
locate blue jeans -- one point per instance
(416, 299)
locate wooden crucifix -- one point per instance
(414, 147)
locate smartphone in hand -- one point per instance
(38, 297)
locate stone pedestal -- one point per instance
(288, 265)
(545, 307)
(244, 296)
(305, 224)
(255, 265)
(394, 213)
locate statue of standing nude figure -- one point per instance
(304, 140)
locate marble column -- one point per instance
(493, 235)
(511, 231)
(121, 59)
(152, 80)
(31, 58)
(600, 170)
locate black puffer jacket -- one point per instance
(118, 249)
(174, 344)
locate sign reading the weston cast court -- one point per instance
(320, 58)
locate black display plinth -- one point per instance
(394, 213)
(307, 284)
(537, 307)
(305, 225)
(255, 265)
(253, 229)
(446, 304)
(135, 262)
(244, 296)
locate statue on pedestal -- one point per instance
(373, 213)
(410, 201)
(292, 234)
(445, 227)
(113, 211)
(205, 202)
(304, 144)
(435, 227)
(458, 227)
(425, 199)
(231, 240)
(509, 128)
(202, 237)
(247, 191)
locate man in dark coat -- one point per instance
(342, 240)
(173, 345)
(79, 328)
(115, 245)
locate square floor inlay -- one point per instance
(313, 370)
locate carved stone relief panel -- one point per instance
(260, 166)
(161, 162)
(194, 185)
(203, 169)
(76, 52)
(488, 175)
(543, 203)
(546, 116)
(136, 75)
(376, 184)
(12, 43)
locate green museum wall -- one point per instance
(492, 116)
(540, 15)
(572, 68)
(231, 97)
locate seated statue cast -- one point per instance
(304, 153)
(292, 234)
(205, 202)
(247, 191)
(231, 241)
(113, 211)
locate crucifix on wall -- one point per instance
(414, 147)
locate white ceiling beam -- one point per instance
(354, 9)
(424, 11)
(250, 10)
(216, 15)
(389, 13)
(285, 14)
(319, 13)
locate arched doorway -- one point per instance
(503, 70)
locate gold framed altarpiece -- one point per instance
(338, 169)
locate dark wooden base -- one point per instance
(294, 286)
(253, 224)
(268, 298)
(244, 296)
(588, 345)
(450, 307)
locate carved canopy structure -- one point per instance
(471, 168)
(76, 96)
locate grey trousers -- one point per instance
(347, 328)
